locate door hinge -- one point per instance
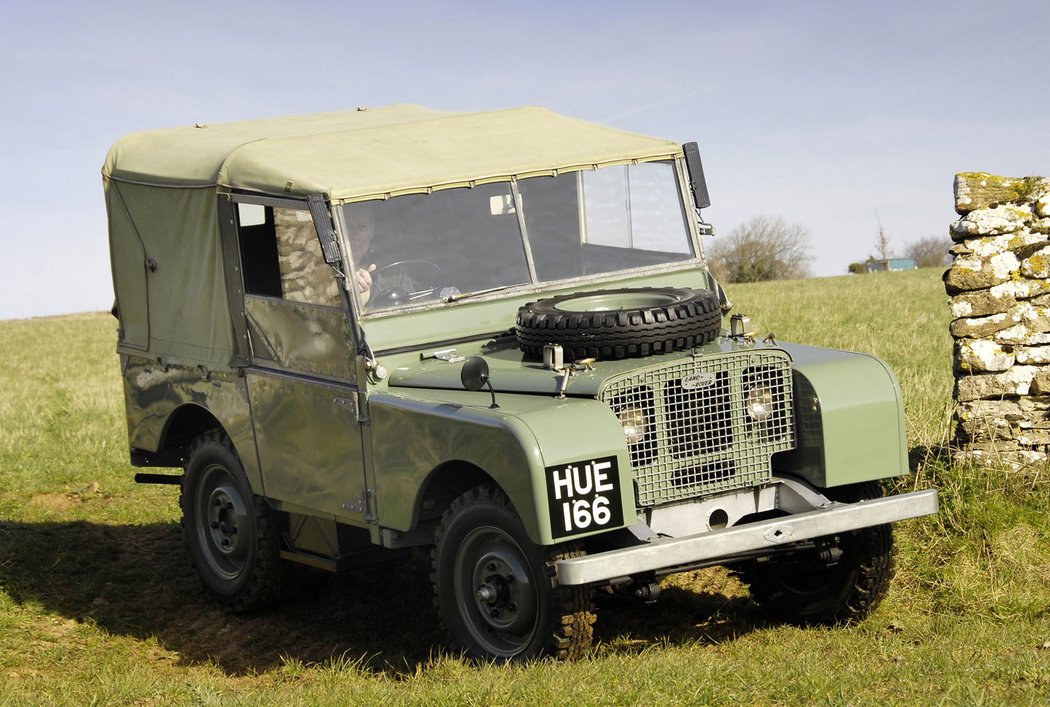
(365, 504)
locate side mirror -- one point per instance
(696, 175)
(475, 375)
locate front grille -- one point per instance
(698, 437)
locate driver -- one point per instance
(361, 227)
(374, 279)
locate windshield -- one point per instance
(456, 242)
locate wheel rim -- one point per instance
(496, 592)
(612, 301)
(223, 523)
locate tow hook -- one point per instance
(648, 592)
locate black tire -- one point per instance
(623, 323)
(231, 534)
(497, 591)
(807, 590)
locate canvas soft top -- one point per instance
(172, 281)
(375, 153)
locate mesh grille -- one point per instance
(695, 435)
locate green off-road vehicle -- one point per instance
(492, 335)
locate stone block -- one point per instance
(988, 419)
(981, 327)
(1034, 407)
(1041, 382)
(1036, 318)
(1001, 220)
(970, 273)
(1042, 205)
(976, 190)
(980, 303)
(1032, 355)
(1022, 243)
(980, 190)
(1020, 335)
(1036, 265)
(982, 355)
(1021, 289)
(1033, 438)
(997, 454)
(1015, 381)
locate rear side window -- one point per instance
(281, 256)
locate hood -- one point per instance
(510, 372)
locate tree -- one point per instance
(882, 243)
(930, 252)
(764, 248)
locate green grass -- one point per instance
(98, 603)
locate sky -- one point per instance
(837, 116)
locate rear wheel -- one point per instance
(230, 533)
(839, 582)
(497, 591)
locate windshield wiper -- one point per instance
(477, 293)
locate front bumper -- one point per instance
(694, 550)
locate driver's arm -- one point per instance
(364, 278)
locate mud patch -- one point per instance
(67, 501)
(55, 501)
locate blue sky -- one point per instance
(834, 115)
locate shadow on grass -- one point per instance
(921, 456)
(694, 610)
(137, 581)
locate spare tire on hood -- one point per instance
(622, 323)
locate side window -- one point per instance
(282, 257)
(305, 277)
(285, 278)
(258, 242)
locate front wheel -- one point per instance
(497, 591)
(839, 582)
(229, 532)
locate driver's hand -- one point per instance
(364, 278)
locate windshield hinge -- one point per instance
(325, 233)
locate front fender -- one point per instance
(849, 414)
(527, 446)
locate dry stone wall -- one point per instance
(999, 294)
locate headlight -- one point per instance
(634, 423)
(759, 403)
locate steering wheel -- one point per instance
(422, 274)
(434, 268)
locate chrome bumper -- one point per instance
(665, 553)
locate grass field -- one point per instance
(98, 603)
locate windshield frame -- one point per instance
(536, 286)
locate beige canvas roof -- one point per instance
(362, 154)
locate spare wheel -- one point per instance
(621, 323)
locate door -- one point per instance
(301, 384)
